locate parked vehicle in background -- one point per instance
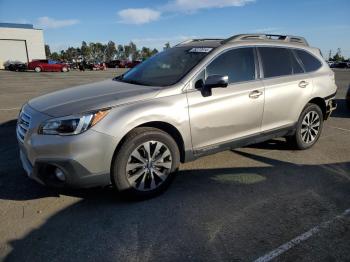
(132, 64)
(113, 64)
(197, 98)
(73, 65)
(340, 65)
(47, 65)
(15, 66)
(330, 63)
(128, 64)
(95, 66)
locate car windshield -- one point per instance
(165, 68)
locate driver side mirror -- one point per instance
(212, 81)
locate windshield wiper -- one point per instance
(129, 81)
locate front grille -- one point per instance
(23, 125)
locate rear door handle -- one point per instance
(303, 84)
(255, 94)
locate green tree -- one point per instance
(71, 53)
(85, 50)
(47, 51)
(63, 55)
(111, 51)
(338, 57)
(120, 52)
(134, 53)
(154, 51)
(127, 51)
(55, 56)
(145, 52)
(97, 52)
(166, 46)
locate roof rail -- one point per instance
(198, 40)
(184, 42)
(284, 38)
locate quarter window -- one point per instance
(237, 64)
(309, 61)
(279, 62)
(296, 67)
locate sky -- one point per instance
(152, 23)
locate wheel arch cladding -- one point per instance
(163, 126)
(321, 103)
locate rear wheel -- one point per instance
(64, 69)
(37, 69)
(145, 163)
(309, 127)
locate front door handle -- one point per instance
(303, 84)
(255, 94)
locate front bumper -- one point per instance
(85, 159)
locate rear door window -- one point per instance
(278, 62)
(310, 62)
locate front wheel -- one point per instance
(145, 163)
(37, 69)
(308, 128)
(64, 69)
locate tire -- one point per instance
(134, 176)
(309, 128)
(37, 69)
(64, 69)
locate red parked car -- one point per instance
(46, 65)
(96, 66)
(132, 64)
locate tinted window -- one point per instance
(279, 62)
(237, 64)
(309, 61)
(296, 67)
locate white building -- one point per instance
(20, 42)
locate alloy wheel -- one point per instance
(310, 127)
(148, 165)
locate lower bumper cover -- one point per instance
(76, 175)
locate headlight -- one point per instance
(72, 125)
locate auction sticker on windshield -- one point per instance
(200, 50)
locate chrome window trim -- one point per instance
(292, 49)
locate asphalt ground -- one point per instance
(238, 205)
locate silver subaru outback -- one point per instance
(197, 98)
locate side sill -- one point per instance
(241, 142)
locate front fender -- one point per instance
(172, 110)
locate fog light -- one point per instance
(59, 174)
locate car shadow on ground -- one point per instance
(14, 183)
(273, 144)
(342, 110)
(234, 213)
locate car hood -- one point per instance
(89, 97)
